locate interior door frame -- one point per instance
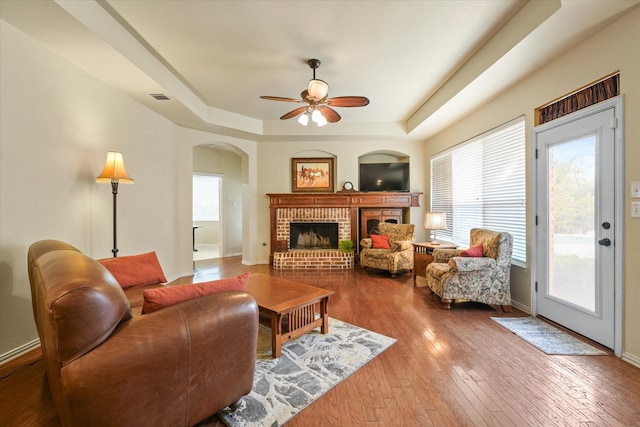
(617, 104)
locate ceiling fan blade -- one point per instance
(279, 98)
(348, 101)
(330, 114)
(294, 113)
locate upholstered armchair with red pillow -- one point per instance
(191, 355)
(481, 273)
(390, 249)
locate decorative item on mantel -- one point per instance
(347, 187)
(435, 221)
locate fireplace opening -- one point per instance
(313, 235)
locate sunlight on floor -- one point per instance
(206, 251)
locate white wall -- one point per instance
(57, 125)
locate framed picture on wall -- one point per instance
(312, 175)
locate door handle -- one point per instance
(604, 242)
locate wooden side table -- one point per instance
(422, 256)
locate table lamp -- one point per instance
(435, 221)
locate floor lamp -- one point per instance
(435, 221)
(114, 172)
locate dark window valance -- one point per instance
(592, 94)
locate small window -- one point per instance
(206, 197)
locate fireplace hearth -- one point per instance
(313, 235)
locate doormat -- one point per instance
(547, 338)
(309, 366)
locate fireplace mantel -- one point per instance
(351, 200)
(344, 200)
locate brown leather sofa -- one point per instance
(109, 367)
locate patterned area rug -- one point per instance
(309, 367)
(547, 338)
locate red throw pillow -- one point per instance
(143, 269)
(155, 299)
(475, 251)
(379, 242)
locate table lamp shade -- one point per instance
(114, 170)
(435, 221)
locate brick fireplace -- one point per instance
(309, 224)
(341, 208)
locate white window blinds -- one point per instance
(481, 183)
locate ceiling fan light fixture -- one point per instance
(317, 89)
(316, 115)
(303, 119)
(319, 107)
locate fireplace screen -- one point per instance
(313, 235)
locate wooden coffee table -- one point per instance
(289, 308)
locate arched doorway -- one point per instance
(210, 160)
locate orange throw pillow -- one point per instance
(475, 252)
(135, 270)
(379, 242)
(155, 299)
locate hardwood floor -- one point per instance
(448, 368)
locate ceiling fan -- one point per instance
(319, 106)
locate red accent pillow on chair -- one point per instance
(475, 252)
(379, 242)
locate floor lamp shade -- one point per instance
(435, 221)
(114, 172)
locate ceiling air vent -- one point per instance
(160, 96)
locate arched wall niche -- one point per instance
(314, 153)
(384, 156)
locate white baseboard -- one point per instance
(254, 262)
(630, 358)
(521, 307)
(19, 351)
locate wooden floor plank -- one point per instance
(448, 368)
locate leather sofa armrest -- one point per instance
(194, 357)
(366, 243)
(471, 264)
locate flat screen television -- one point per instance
(384, 177)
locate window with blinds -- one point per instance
(482, 183)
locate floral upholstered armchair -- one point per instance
(390, 249)
(481, 273)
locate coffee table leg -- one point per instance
(325, 315)
(276, 342)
